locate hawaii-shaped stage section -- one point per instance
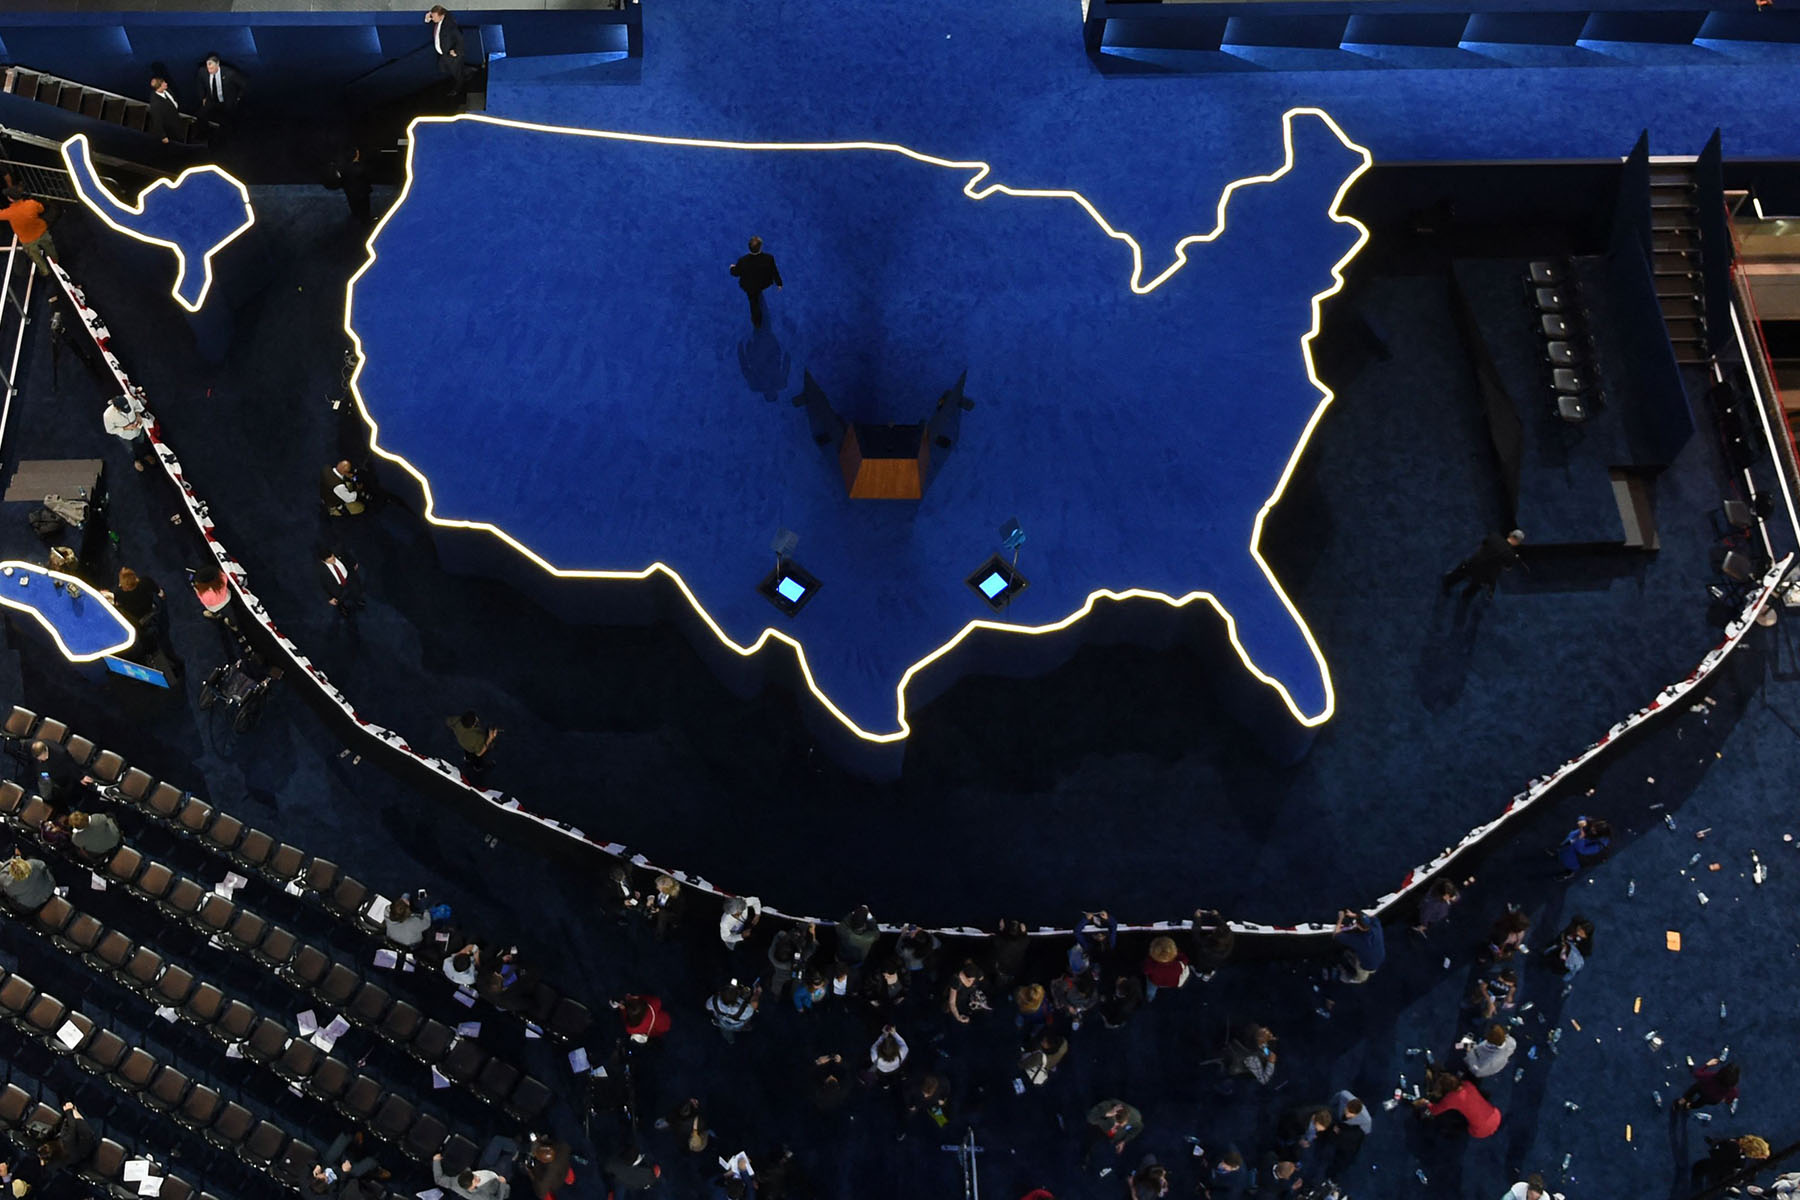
(552, 347)
(78, 619)
(193, 216)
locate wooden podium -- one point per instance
(885, 462)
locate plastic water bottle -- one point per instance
(1721, 1010)
(1669, 820)
(1631, 888)
(1657, 1096)
(1565, 1163)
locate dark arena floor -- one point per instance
(541, 340)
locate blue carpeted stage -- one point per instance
(581, 378)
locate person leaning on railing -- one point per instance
(26, 216)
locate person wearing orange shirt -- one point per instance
(26, 216)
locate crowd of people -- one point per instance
(910, 987)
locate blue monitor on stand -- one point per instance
(138, 671)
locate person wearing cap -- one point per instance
(1482, 569)
(26, 216)
(126, 420)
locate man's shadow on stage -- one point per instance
(1448, 648)
(765, 363)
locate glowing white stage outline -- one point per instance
(974, 190)
(80, 143)
(12, 566)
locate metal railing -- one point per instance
(15, 307)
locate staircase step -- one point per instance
(93, 103)
(1678, 283)
(1671, 175)
(1674, 306)
(1673, 220)
(1661, 240)
(1686, 329)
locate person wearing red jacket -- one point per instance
(643, 1016)
(1462, 1097)
(1164, 967)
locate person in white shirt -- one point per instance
(887, 1056)
(1489, 1056)
(1350, 1111)
(447, 42)
(338, 490)
(475, 1185)
(126, 419)
(1531, 1188)
(406, 925)
(460, 968)
(739, 919)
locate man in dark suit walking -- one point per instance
(221, 90)
(165, 111)
(1496, 555)
(447, 40)
(755, 272)
(351, 174)
(342, 581)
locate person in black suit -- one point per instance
(165, 111)
(447, 40)
(1497, 554)
(351, 174)
(221, 90)
(58, 776)
(342, 580)
(755, 272)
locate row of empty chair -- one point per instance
(306, 968)
(27, 1109)
(281, 864)
(1561, 322)
(158, 1086)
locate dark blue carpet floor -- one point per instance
(1037, 797)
